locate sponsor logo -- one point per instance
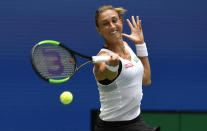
(128, 65)
(136, 59)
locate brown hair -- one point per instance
(103, 8)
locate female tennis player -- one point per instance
(120, 79)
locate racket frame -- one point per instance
(73, 53)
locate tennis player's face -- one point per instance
(110, 25)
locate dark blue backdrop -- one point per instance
(175, 32)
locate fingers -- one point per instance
(138, 20)
(136, 35)
(139, 23)
(113, 61)
(129, 23)
(134, 23)
(125, 35)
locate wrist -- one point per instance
(112, 68)
(141, 50)
(139, 42)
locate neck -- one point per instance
(114, 46)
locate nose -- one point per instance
(112, 25)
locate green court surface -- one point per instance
(177, 121)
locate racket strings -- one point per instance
(53, 62)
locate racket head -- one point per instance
(52, 61)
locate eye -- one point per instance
(105, 23)
(114, 19)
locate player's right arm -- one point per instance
(100, 69)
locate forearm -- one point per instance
(147, 71)
(142, 53)
(109, 69)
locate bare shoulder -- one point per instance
(125, 43)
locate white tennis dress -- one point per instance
(121, 100)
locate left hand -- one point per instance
(136, 35)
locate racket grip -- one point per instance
(97, 59)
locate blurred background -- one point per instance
(175, 32)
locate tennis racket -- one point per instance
(56, 63)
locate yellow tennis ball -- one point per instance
(66, 97)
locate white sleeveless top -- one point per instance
(121, 100)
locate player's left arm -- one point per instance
(137, 38)
(147, 71)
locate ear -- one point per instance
(122, 20)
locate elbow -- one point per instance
(147, 82)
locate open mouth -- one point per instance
(114, 32)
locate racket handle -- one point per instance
(97, 59)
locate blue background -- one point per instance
(175, 32)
